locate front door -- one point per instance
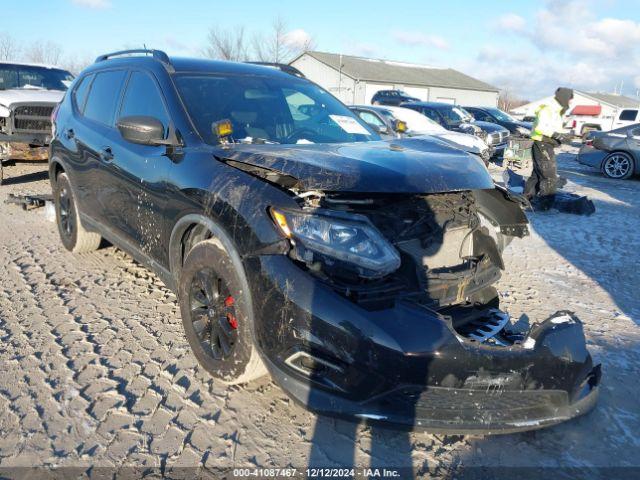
(140, 171)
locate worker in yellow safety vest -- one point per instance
(546, 135)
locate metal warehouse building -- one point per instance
(354, 80)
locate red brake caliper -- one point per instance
(231, 318)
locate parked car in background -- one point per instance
(581, 122)
(616, 153)
(360, 274)
(28, 95)
(495, 115)
(417, 126)
(392, 97)
(455, 118)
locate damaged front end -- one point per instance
(386, 310)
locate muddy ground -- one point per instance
(95, 369)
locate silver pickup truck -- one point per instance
(28, 96)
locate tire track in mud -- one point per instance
(81, 332)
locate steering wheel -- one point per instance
(300, 133)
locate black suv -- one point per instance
(357, 271)
(391, 97)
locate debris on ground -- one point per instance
(28, 202)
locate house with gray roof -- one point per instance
(354, 80)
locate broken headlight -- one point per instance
(351, 239)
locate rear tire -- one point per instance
(73, 235)
(618, 165)
(216, 315)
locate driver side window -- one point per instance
(142, 97)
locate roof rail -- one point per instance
(282, 67)
(157, 54)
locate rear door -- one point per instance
(139, 172)
(93, 133)
(633, 141)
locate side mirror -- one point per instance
(142, 130)
(399, 126)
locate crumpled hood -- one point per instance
(373, 167)
(20, 95)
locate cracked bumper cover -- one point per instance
(406, 365)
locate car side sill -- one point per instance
(131, 249)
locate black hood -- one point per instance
(372, 167)
(563, 97)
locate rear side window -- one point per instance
(143, 97)
(81, 91)
(104, 95)
(628, 115)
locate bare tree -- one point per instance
(507, 101)
(9, 49)
(75, 64)
(227, 44)
(279, 45)
(44, 52)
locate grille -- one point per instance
(32, 118)
(498, 138)
(32, 125)
(34, 110)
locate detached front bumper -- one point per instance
(406, 365)
(451, 410)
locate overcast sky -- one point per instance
(525, 46)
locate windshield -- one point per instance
(25, 76)
(416, 122)
(265, 109)
(500, 115)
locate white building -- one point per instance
(354, 80)
(589, 106)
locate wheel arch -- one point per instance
(199, 226)
(192, 228)
(56, 167)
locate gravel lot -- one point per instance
(95, 369)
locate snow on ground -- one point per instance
(95, 370)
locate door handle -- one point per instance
(106, 154)
(69, 133)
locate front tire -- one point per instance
(73, 235)
(216, 315)
(618, 165)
